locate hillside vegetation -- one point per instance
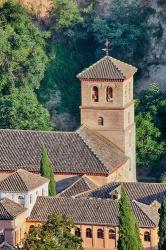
(42, 52)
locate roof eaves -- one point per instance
(146, 215)
(106, 171)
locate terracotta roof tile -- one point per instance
(108, 68)
(10, 209)
(86, 211)
(108, 153)
(70, 152)
(81, 185)
(6, 246)
(3, 176)
(145, 193)
(21, 181)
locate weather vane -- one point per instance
(106, 49)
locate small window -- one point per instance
(21, 200)
(147, 236)
(126, 93)
(130, 90)
(95, 94)
(15, 236)
(112, 234)
(109, 94)
(2, 237)
(31, 228)
(43, 192)
(78, 232)
(100, 121)
(129, 117)
(115, 196)
(37, 193)
(20, 234)
(100, 234)
(31, 199)
(88, 233)
(129, 139)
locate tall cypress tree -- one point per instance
(129, 238)
(47, 171)
(162, 225)
(52, 187)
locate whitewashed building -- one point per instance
(23, 187)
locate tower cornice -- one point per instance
(107, 108)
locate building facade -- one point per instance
(103, 147)
(108, 107)
(97, 231)
(12, 221)
(23, 188)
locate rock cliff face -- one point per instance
(39, 8)
(156, 57)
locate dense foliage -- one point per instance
(150, 146)
(162, 225)
(71, 49)
(46, 170)
(22, 64)
(151, 132)
(129, 235)
(21, 109)
(54, 234)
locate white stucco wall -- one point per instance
(30, 197)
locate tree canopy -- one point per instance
(151, 132)
(21, 110)
(22, 50)
(162, 225)
(54, 234)
(66, 14)
(150, 146)
(23, 61)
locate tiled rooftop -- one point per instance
(141, 192)
(6, 246)
(83, 184)
(80, 152)
(108, 68)
(91, 211)
(108, 153)
(10, 209)
(21, 181)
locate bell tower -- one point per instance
(108, 106)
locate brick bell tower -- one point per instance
(108, 106)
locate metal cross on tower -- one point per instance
(106, 49)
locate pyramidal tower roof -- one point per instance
(108, 68)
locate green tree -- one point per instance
(66, 14)
(54, 234)
(21, 110)
(153, 101)
(22, 64)
(22, 50)
(163, 177)
(46, 170)
(162, 225)
(129, 236)
(150, 147)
